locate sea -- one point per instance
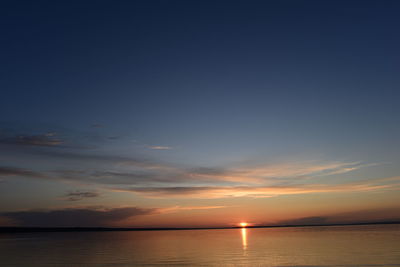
(366, 245)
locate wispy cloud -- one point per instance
(261, 173)
(141, 183)
(80, 195)
(262, 191)
(189, 208)
(159, 147)
(144, 173)
(153, 178)
(6, 172)
(45, 140)
(87, 166)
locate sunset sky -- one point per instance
(199, 113)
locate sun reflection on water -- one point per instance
(244, 238)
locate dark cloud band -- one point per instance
(76, 217)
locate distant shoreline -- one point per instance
(111, 229)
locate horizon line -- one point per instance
(22, 229)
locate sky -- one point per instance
(199, 113)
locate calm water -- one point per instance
(307, 246)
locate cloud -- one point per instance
(261, 173)
(155, 182)
(180, 208)
(391, 214)
(33, 138)
(80, 195)
(150, 172)
(87, 217)
(159, 147)
(262, 191)
(76, 217)
(200, 207)
(83, 167)
(11, 171)
(134, 171)
(46, 140)
(116, 178)
(154, 178)
(109, 169)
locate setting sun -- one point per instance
(243, 224)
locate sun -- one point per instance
(243, 224)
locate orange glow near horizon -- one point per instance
(243, 224)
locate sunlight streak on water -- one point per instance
(244, 238)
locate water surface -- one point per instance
(377, 245)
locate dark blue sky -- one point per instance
(202, 83)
